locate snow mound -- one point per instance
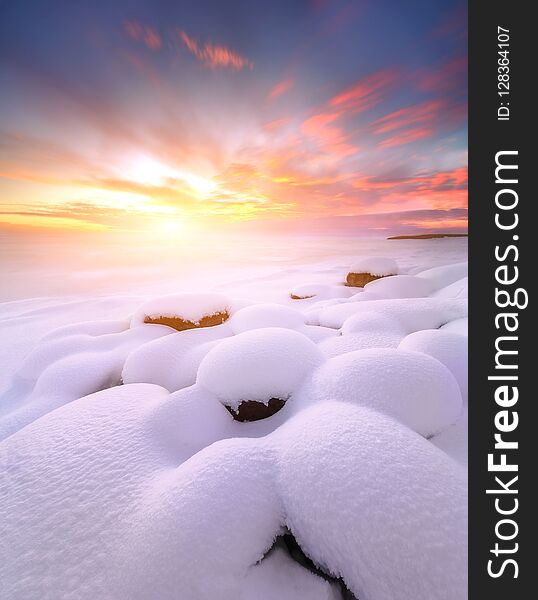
(343, 344)
(415, 389)
(400, 286)
(189, 307)
(62, 369)
(258, 365)
(93, 328)
(447, 347)
(375, 265)
(458, 289)
(460, 326)
(172, 361)
(413, 313)
(278, 576)
(369, 321)
(75, 474)
(129, 508)
(454, 439)
(266, 315)
(356, 484)
(443, 276)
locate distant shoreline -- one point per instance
(427, 236)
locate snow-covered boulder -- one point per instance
(447, 347)
(412, 313)
(370, 321)
(460, 326)
(458, 289)
(172, 361)
(65, 367)
(184, 311)
(414, 388)
(343, 344)
(254, 373)
(443, 276)
(257, 316)
(400, 286)
(378, 493)
(369, 269)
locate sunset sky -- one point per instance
(174, 115)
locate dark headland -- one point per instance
(427, 236)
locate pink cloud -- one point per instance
(332, 139)
(146, 35)
(276, 124)
(215, 57)
(365, 93)
(281, 88)
(445, 78)
(425, 112)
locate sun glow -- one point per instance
(151, 172)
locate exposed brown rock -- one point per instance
(250, 410)
(294, 297)
(182, 324)
(360, 279)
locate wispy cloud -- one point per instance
(281, 88)
(141, 33)
(365, 93)
(417, 122)
(330, 137)
(214, 56)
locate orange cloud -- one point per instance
(146, 35)
(215, 57)
(281, 88)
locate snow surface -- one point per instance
(126, 478)
(320, 291)
(375, 265)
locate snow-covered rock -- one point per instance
(443, 276)
(375, 265)
(172, 361)
(266, 315)
(460, 326)
(400, 286)
(415, 389)
(355, 483)
(342, 344)
(184, 311)
(412, 313)
(447, 347)
(258, 365)
(370, 321)
(369, 269)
